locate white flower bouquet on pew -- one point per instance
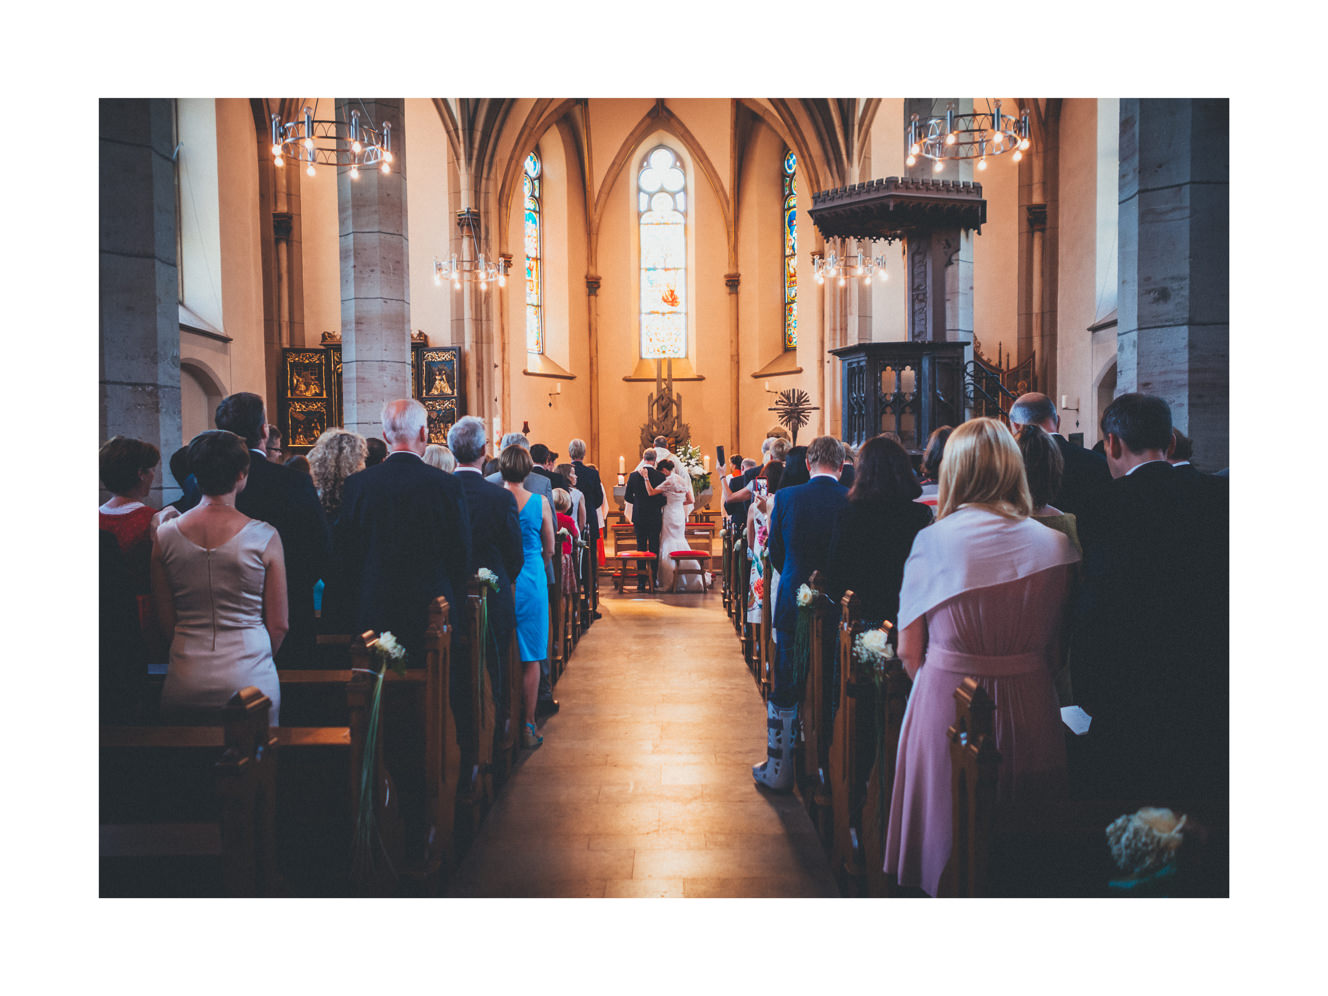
(487, 577)
(872, 647)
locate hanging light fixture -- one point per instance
(860, 264)
(978, 136)
(480, 268)
(318, 142)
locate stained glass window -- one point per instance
(790, 252)
(662, 210)
(530, 183)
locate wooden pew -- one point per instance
(725, 564)
(557, 611)
(854, 730)
(234, 831)
(974, 762)
(816, 719)
(887, 704)
(765, 659)
(478, 706)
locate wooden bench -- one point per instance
(887, 704)
(852, 747)
(816, 718)
(195, 809)
(974, 762)
(476, 701)
(765, 656)
(726, 565)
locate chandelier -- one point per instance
(480, 267)
(860, 264)
(331, 143)
(967, 136)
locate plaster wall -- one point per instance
(431, 219)
(319, 249)
(889, 297)
(200, 207)
(996, 255)
(241, 272)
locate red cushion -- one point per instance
(636, 555)
(688, 554)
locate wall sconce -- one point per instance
(557, 390)
(769, 389)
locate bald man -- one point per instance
(1086, 476)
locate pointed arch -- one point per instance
(542, 116)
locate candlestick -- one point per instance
(622, 480)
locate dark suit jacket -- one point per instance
(1084, 481)
(495, 532)
(403, 538)
(646, 508)
(1149, 658)
(554, 478)
(868, 547)
(587, 480)
(800, 530)
(285, 498)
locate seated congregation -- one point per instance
(919, 635)
(354, 654)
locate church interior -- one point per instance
(612, 270)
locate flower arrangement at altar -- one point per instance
(690, 457)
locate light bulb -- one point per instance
(502, 280)
(1025, 144)
(911, 161)
(309, 144)
(276, 150)
(278, 161)
(387, 156)
(982, 163)
(387, 168)
(456, 281)
(310, 170)
(940, 165)
(998, 138)
(950, 139)
(841, 280)
(867, 280)
(913, 149)
(484, 284)
(1017, 155)
(820, 279)
(355, 146)
(354, 172)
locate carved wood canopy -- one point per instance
(895, 207)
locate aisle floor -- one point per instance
(643, 785)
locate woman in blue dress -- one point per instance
(531, 586)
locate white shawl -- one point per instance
(974, 548)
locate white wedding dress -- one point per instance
(678, 487)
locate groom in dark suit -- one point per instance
(800, 529)
(286, 499)
(403, 537)
(647, 509)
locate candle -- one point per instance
(622, 465)
(705, 463)
(767, 387)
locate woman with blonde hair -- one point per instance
(984, 594)
(337, 454)
(440, 457)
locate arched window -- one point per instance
(530, 183)
(662, 211)
(790, 168)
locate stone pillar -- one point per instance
(593, 281)
(139, 344)
(1173, 335)
(375, 277)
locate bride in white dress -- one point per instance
(677, 486)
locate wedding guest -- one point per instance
(337, 454)
(983, 594)
(800, 527)
(286, 499)
(1044, 466)
(274, 451)
(375, 452)
(578, 513)
(758, 541)
(219, 589)
(1180, 451)
(795, 468)
(495, 544)
(544, 462)
(589, 484)
(776, 452)
(299, 462)
(562, 508)
(532, 595)
(847, 473)
(875, 531)
(440, 457)
(931, 463)
(403, 537)
(128, 468)
(189, 493)
(1150, 652)
(1085, 477)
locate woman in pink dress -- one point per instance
(984, 594)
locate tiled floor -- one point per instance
(643, 786)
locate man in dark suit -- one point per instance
(800, 530)
(544, 462)
(1149, 657)
(588, 483)
(286, 499)
(1085, 477)
(495, 531)
(647, 509)
(404, 535)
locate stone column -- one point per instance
(1173, 335)
(375, 277)
(732, 281)
(593, 281)
(139, 343)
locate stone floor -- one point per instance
(643, 786)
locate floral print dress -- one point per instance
(756, 584)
